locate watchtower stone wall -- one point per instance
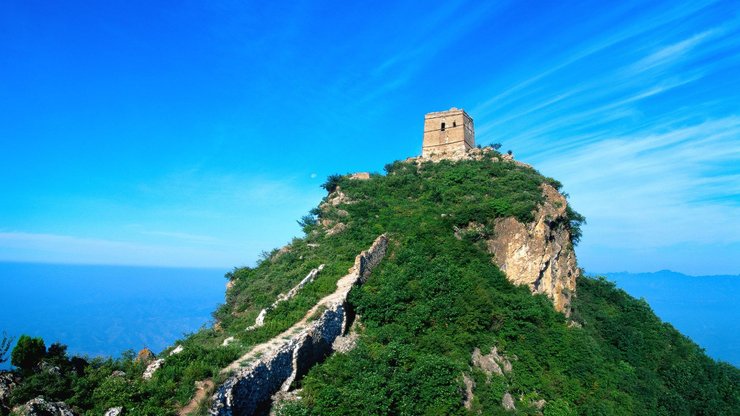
(447, 134)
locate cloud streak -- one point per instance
(648, 154)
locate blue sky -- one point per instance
(196, 133)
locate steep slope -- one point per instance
(477, 307)
(439, 297)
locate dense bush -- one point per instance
(28, 352)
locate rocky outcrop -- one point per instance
(492, 363)
(144, 356)
(277, 364)
(539, 254)
(152, 368)
(114, 411)
(260, 321)
(155, 364)
(8, 381)
(41, 407)
(507, 402)
(337, 198)
(178, 349)
(468, 394)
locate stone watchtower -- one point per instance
(447, 134)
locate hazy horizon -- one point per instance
(104, 310)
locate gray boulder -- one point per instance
(41, 407)
(8, 381)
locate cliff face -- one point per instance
(539, 254)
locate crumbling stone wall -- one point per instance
(251, 388)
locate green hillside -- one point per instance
(434, 298)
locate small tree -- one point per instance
(496, 146)
(307, 222)
(57, 353)
(5, 344)
(332, 182)
(28, 352)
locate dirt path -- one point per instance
(202, 390)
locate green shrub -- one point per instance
(28, 352)
(332, 182)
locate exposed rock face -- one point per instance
(8, 381)
(539, 254)
(178, 349)
(152, 368)
(336, 229)
(144, 356)
(337, 198)
(492, 363)
(114, 411)
(280, 362)
(468, 395)
(507, 402)
(40, 407)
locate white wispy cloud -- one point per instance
(673, 53)
(657, 189)
(648, 155)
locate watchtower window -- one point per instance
(454, 124)
(443, 127)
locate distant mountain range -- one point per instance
(702, 307)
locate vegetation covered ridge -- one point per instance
(434, 300)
